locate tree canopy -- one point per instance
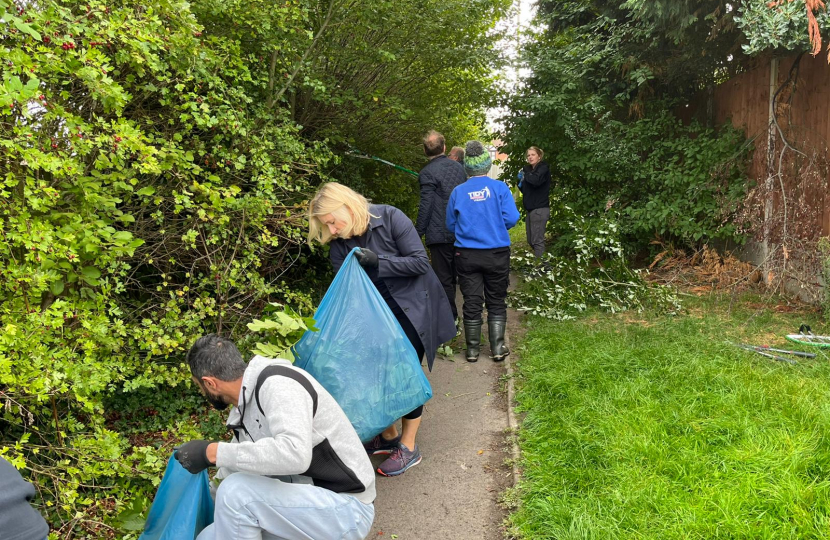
(606, 79)
(784, 25)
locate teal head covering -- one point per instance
(477, 159)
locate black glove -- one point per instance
(367, 258)
(193, 456)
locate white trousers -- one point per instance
(253, 507)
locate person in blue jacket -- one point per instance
(479, 213)
(395, 260)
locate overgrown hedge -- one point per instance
(152, 181)
(147, 196)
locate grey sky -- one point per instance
(515, 25)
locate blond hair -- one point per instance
(344, 204)
(538, 152)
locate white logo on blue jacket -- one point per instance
(479, 196)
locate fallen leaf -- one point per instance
(480, 452)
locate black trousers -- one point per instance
(484, 275)
(443, 263)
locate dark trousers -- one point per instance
(484, 275)
(536, 223)
(443, 263)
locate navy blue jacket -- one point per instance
(438, 178)
(405, 269)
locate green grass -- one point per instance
(655, 427)
(518, 238)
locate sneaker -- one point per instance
(380, 446)
(401, 459)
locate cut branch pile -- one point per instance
(703, 270)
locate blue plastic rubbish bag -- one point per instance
(182, 507)
(361, 355)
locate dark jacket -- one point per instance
(536, 186)
(405, 269)
(18, 520)
(438, 178)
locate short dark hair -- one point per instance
(214, 356)
(433, 144)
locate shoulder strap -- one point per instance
(285, 371)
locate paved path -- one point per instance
(452, 494)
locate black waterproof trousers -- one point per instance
(483, 275)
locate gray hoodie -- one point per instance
(289, 438)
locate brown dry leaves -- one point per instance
(702, 271)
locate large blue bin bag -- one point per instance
(361, 355)
(182, 507)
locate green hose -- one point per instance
(358, 154)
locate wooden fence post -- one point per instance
(769, 202)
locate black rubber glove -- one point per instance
(367, 258)
(193, 456)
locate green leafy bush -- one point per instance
(591, 272)
(682, 184)
(282, 329)
(688, 186)
(148, 197)
(781, 27)
(607, 82)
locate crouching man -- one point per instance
(296, 468)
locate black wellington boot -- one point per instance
(472, 335)
(497, 325)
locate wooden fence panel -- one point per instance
(790, 211)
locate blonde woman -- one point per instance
(393, 257)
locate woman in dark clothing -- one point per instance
(395, 260)
(534, 183)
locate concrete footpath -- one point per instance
(453, 493)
